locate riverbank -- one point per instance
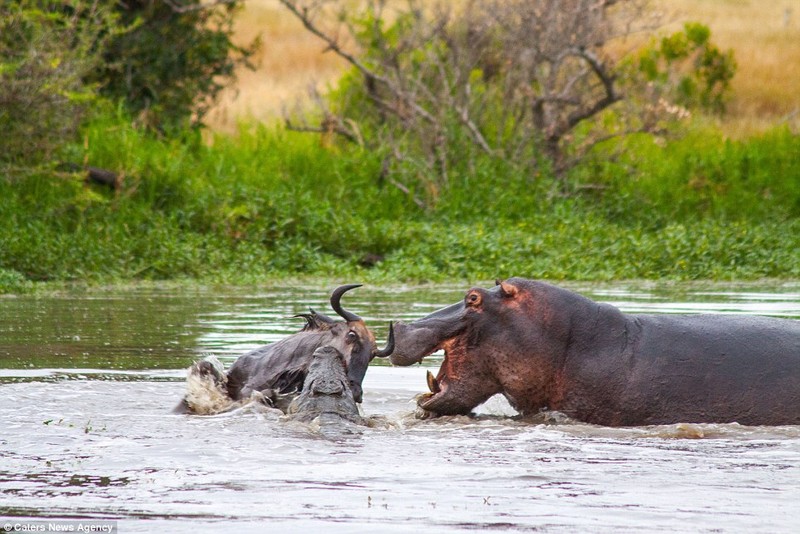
(268, 204)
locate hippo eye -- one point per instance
(473, 299)
(351, 337)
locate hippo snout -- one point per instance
(414, 341)
(405, 352)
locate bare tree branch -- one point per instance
(178, 7)
(303, 15)
(511, 79)
(327, 127)
(610, 97)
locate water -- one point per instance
(87, 382)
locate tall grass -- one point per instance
(268, 203)
(706, 175)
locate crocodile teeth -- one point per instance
(433, 384)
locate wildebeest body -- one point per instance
(276, 372)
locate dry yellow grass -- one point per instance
(290, 61)
(765, 37)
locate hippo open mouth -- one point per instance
(466, 377)
(448, 395)
(437, 386)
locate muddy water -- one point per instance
(87, 382)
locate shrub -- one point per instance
(439, 90)
(689, 68)
(47, 49)
(175, 58)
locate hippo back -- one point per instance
(744, 369)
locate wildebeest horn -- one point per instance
(389, 348)
(336, 295)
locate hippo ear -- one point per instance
(507, 290)
(497, 281)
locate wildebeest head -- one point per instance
(351, 337)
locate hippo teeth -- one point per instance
(433, 384)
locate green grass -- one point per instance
(268, 203)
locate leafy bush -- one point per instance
(165, 60)
(47, 49)
(174, 59)
(438, 91)
(13, 282)
(690, 68)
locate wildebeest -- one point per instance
(276, 372)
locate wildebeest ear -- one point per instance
(316, 321)
(507, 290)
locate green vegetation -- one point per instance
(438, 184)
(270, 203)
(172, 60)
(528, 82)
(45, 54)
(704, 80)
(165, 62)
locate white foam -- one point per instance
(204, 395)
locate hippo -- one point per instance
(326, 396)
(547, 348)
(275, 373)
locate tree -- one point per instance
(173, 61)
(47, 50)
(166, 60)
(528, 82)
